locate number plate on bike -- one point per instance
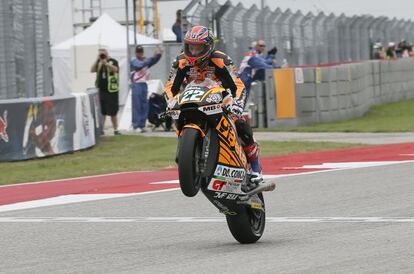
(193, 94)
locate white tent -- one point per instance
(73, 58)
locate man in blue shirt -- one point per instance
(252, 67)
(176, 27)
(139, 88)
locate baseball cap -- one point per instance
(139, 48)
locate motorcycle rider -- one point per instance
(199, 61)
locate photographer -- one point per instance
(107, 82)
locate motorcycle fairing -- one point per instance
(230, 151)
(201, 95)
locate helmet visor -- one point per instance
(196, 49)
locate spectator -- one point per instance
(107, 82)
(390, 53)
(408, 51)
(379, 52)
(400, 47)
(254, 63)
(176, 27)
(139, 75)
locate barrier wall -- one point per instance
(39, 127)
(301, 96)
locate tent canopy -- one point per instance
(107, 32)
(72, 59)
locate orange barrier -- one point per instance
(284, 83)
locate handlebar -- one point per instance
(162, 116)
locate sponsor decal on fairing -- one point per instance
(211, 109)
(221, 185)
(225, 195)
(214, 98)
(235, 174)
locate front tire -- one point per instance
(248, 226)
(188, 158)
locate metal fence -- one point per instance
(300, 38)
(25, 62)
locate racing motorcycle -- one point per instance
(210, 157)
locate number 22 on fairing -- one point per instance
(191, 95)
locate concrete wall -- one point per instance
(326, 94)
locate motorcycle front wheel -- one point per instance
(248, 226)
(188, 158)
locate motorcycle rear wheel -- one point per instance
(188, 157)
(247, 227)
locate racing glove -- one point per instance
(236, 108)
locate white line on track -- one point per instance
(73, 179)
(74, 198)
(202, 219)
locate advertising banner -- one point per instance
(39, 127)
(85, 134)
(96, 113)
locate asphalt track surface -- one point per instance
(118, 235)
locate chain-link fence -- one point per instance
(25, 63)
(300, 38)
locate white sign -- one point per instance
(299, 76)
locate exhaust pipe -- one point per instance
(262, 187)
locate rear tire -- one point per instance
(188, 155)
(247, 227)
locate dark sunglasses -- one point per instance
(262, 46)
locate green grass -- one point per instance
(394, 117)
(125, 153)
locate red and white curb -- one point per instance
(78, 198)
(127, 184)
